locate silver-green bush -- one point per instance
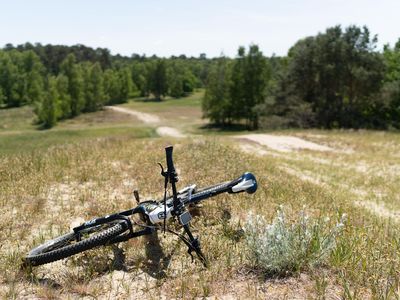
(282, 248)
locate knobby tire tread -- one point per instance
(69, 250)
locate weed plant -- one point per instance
(283, 247)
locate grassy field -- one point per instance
(89, 166)
(19, 134)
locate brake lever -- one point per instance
(163, 173)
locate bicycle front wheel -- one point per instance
(74, 243)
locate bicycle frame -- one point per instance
(119, 227)
(141, 209)
(154, 212)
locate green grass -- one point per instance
(19, 134)
(193, 100)
(12, 119)
(40, 140)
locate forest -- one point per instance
(336, 79)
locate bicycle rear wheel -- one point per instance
(74, 243)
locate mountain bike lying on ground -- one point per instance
(118, 227)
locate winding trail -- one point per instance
(149, 119)
(144, 117)
(169, 131)
(283, 143)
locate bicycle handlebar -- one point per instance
(170, 163)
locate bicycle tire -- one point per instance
(65, 246)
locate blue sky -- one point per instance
(173, 27)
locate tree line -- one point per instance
(336, 79)
(62, 82)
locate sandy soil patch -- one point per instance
(304, 175)
(144, 117)
(284, 143)
(379, 209)
(169, 131)
(254, 149)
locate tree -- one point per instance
(237, 88)
(256, 77)
(48, 109)
(390, 94)
(64, 97)
(94, 87)
(2, 98)
(139, 75)
(217, 104)
(181, 81)
(392, 61)
(126, 84)
(337, 75)
(249, 80)
(112, 87)
(158, 82)
(34, 81)
(73, 72)
(9, 80)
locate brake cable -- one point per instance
(165, 175)
(165, 204)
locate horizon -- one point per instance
(187, 28)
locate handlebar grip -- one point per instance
(170, 163)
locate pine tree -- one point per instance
(237, 89)
(255, 77)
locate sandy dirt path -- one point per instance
(144, 117)
(264, 144)
(169, 131)
(284, 143)
(149, 119)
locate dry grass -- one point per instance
(42, 194)
(45, 190)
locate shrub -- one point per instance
(282, 248)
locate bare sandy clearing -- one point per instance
(284, 143)
(144, 117)
(149, 119)
(304, 175)
(169, 131)
(379, 209)
(253, 149)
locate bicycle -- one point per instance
(118, 227)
